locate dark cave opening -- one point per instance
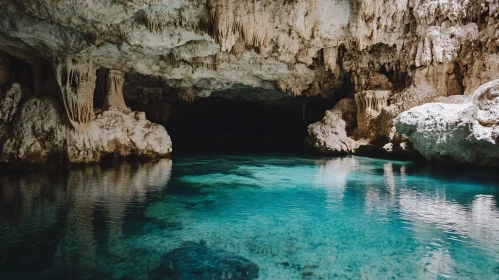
(214, 124)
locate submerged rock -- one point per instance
(193, 261)
(466, 132)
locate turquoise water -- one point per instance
(295, 217)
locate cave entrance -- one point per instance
(237, 125)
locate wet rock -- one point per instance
(193, 261)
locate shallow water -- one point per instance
(295, 217)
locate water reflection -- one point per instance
(478, 221)
(347, 218)
(332, 176)
(477, 218)
(69, 201)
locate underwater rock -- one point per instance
(193, 261)
(466, 132)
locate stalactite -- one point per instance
(234, 19)
(187, 94)
(330, 56)
(371, 100)
(238, 49)
(157, 20)
(171, 60)
(114, 91)
(76, 80)
(369, 105)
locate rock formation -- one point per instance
(464, 131)
(330, 134)
(77, 83)
(10, 98)
(406, 53)
(39, 135)
(369, 106)
(111, 87)
(197, 262)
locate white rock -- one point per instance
(463, 133)
(329, 135)
(40, 132)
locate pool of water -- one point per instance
(295, 217)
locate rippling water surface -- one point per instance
(295, 217)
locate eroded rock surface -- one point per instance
(329, 135)
(465, 131)
(411, 51)
(307, 47)
(447, 51)
(40, 133)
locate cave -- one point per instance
(218, 124)
(236, 139)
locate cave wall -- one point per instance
(54, 120)
(411, 52)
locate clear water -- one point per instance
(296, 217)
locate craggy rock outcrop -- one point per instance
(464, 131)
(449, 48)
(329, 135)
(39, 133)
(199, 262)
(413, 51)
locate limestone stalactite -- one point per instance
(330, 56)
(373, 100)
(114, 90)
(76, 79)
(369, 105)
(234, 19)
(187, 94)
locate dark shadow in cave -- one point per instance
(216, 124)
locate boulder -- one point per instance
(464, 130)
(330, 134)
(193, 261)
